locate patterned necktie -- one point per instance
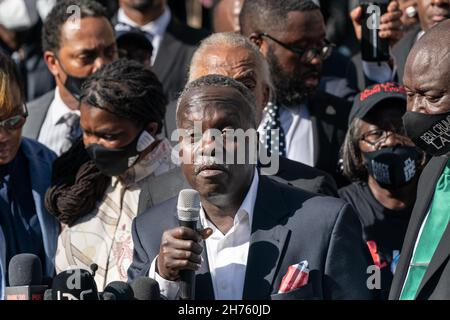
(72, 121)
(272, 122)
(431, 235)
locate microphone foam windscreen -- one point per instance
(76, 284)
(120, 289)
(25, 269)
(146, 289)
(188, 206)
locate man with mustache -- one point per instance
(424, 269)
(430, 13)
(233, 55)
(254, 229)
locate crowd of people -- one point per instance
(106, 114)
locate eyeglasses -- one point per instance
(379, 136)
(15, 122)
(324, 52)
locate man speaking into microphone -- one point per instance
(258, 239)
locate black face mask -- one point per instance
(430, 132)
(73, 84)
(114, 162)
(392, 167)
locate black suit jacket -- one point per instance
(329, 115)
(172, 64)
(289, 226)
(304, 177)
(402, 48)
(435, 284)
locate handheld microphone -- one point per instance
(146, 288)
(188, 209)
(121, 290)
(75, 284)
(25, 278)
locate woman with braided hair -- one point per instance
(119, 168)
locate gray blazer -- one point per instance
(289, 225)
(37, 111)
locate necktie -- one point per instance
(72, 121)
(432, 232)
(272, 122)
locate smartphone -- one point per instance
(373, 48)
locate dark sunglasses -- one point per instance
(15, 122)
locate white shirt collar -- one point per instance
(59, 109)
(156, 28)
(247, 207)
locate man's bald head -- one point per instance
(427, 72)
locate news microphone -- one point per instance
(121, 290)
(74, 284)
(188, 209)
(25, 278)
(146, 288)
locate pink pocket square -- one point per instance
(296, 277)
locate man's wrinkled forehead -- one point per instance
(203, 97)
(427, 65)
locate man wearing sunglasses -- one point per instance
(25, 174)
(312, 123)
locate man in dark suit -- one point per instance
(430, 13)
(291, 35)
(233, 55)
(423, 272)
(72, 53)
(173, 45)
(254, 229)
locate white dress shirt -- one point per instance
(157, 28)
(298, 132)
(227, 254)
(54, 129)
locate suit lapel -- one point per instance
(425, 192)
(313, 107)
(267, 242)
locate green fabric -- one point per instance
(432, 232)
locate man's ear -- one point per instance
(50, 60)
(260, 43)
(256, 39)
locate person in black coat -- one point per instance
(255, 230)
(423, 271)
